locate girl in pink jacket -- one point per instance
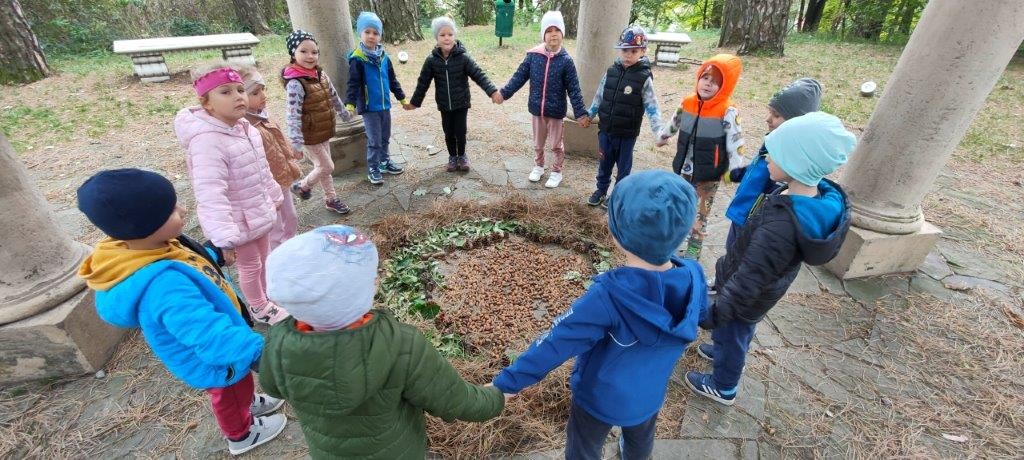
(237, 199)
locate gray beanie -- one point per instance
(800, 97)
(441, 22)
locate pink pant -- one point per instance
(231, 406)
(287, 221)
(250, 259)
(323, 166)
(545, 128)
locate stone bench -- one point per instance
(148, 54)
(667, 46)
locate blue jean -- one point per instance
(585, 436)
(615, 151)
(732, 341)
(378, 137)
(733, 231)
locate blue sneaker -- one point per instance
(703, 385)
(389, 167)
(706, 351)
(375, 177)
(303, 193)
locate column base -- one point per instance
(580, 141)
(869, 253)
(348, 148)
(69, 339)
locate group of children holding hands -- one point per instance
(359, 380)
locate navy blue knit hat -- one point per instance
(651, 212)
(127, 204)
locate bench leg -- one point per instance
(150, 68)
(241, 55)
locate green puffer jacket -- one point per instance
(361, 393)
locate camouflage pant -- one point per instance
(706, 198)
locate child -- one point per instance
(371, 80)
(629, 328)
(625, 93)
(800, 97)
(358, 379)
(552, 76)
(451, 68)
(148, 275)
(280, 155)
(236, 195)
(313, 105)
(708, 125)
(805, 221)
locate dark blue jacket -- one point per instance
(754, 181)
(627, 332)
(782, 232)
(371, 80)
(551, 80)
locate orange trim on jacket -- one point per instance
(303, 327)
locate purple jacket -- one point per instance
(552, 78)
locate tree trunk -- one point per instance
(812, 16)
(868, 18)
(907, 16)
(715, 19)
(733, 27)
(477, 12)
(800, 15)
(250, 14)
(21, 58)
(401, 18)
(570, 13)
(767, 22)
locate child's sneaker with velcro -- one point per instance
(263, 404)
(262, 430)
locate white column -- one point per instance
(600, 24)
(951, 63)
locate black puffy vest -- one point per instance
(710, 158)
(622, 105)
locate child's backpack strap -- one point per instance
(201, 249)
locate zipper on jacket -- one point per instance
(716, 155)
(448, 83)
(544, 86)
(380, 71)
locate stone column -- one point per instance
(331, 23)
(940, 82)
(600, 24)
(48, 325)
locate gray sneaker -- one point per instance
(264, 404)
(263, 429)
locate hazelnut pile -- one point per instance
(501, 297)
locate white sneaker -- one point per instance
(553, 180)
(263, 429)
(263, 404)
(536, 173)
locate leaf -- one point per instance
(572, 275)
(954, 438)
(447, 190)
(419, 192)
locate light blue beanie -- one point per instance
(367, 19)
(651, 212)
(810, 146)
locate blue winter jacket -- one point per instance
(188, 322)
(371, 80)
(627, 332)
(754, 180)
(551, 79)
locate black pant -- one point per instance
(454, 125)
(585, 436)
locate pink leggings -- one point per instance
(250, 258)
(548, 130)
(287, 223)
(323, 166)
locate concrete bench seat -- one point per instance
(667, 46)
(148, 53)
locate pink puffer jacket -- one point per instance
(236, 195)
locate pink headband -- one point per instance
(215, 78)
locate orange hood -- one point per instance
(730, 66)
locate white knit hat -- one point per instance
(324, 277)
(441, 22)
(551, 18)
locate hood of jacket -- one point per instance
(540, 49)
(821, 222)
(730, 66)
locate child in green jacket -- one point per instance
(358, 379)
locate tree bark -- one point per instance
(733, 27)
(250, 14)
(704, 15)
(476, 12)
(767, 22)
(812, 16)
(800, 15)
(570, 13)
(401, 18)
(910, 8)
(21, 58)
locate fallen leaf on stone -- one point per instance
(829, 413)
(447, 190)
(419, 192)
(954, 438)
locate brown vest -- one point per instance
(318, 116)
(282, 165)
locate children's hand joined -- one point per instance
(229, 257)
(584, 121)
(408, 106)
(496, 97)
(507, 395)
(661, 142)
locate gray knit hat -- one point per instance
(441, 22)
(800, 97)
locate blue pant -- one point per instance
(733, 231)
(615, 151)
(585, 436)
(732, 340)
(378, 137)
